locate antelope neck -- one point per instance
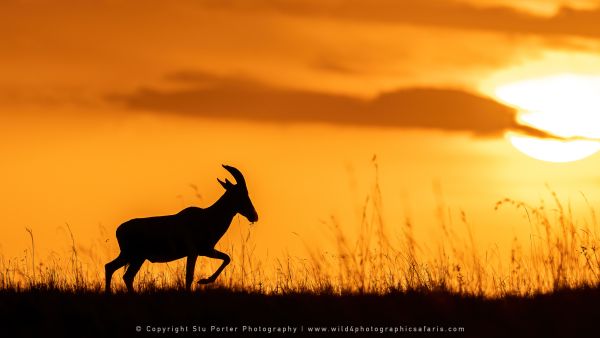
(225, 208)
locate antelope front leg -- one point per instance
(218, 255)
(189, 271)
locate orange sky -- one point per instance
(111, 110)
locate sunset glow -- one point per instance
(350, 116)
(564, 105)
(553, 150)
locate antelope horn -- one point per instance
(239, 178)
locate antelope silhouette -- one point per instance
(190, 233)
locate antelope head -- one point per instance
(239, 194)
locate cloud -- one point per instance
(239, 98)
(451, 14)
(122, 44)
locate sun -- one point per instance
(566, 105)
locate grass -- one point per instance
(547, 286)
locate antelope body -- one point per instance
(190, 233)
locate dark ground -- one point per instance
(43, 313)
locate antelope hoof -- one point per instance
(205, 281)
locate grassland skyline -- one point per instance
(391, 147)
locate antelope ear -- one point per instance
(223, 183)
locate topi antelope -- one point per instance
(190, 233)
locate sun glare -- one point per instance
(565, 105)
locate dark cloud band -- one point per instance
(446, 13)
(243, 99)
